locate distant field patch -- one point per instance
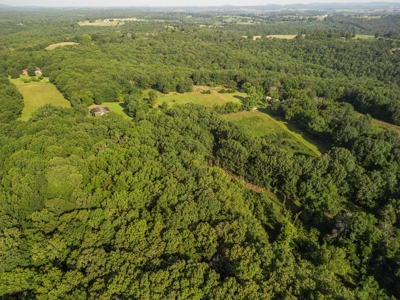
(261, 123)
(101, 23)
(37, 94)
(53, 46)
(364, 36)
(198, 98)
(117, 107)
(282, 36)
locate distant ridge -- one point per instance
(270, 6)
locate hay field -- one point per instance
(37, 94)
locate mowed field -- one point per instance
(37, 94)
(53, 46)
(262, 123)
(117, 107)
(198, 98)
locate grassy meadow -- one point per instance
(116, 107)
(262, 123)
(378, 125)
(198, 98)
(37, 94)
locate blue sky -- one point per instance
(105, 3)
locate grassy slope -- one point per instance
(37, 94)
(378, 124)
(263, 123)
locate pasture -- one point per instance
(198, 98)
(262, 123)
(53, 46)
(37, 94)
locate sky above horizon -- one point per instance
(114, 3)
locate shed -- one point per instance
(99, 110)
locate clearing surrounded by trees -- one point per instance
(37, 94)
(197, 97)
(261, 123)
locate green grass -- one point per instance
(378, 125)
(198, 98)
(116, 107)
(37, 94)
(262, 123)
(255, 122)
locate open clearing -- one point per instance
(117, 107)
(262, 123)
(53, 46)
(37, 94)
(364, 36)
(282, 36)
(198, 98)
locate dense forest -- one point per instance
(174, 202)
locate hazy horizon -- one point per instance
(171, 3)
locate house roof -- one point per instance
(99, 110)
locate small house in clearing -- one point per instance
(99, 110)
(37, 71)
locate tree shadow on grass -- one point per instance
(241, 99)
(123, 105)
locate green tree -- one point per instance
(14, 73)
(153, 97)
(31, 71)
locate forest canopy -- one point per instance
(172, 201)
